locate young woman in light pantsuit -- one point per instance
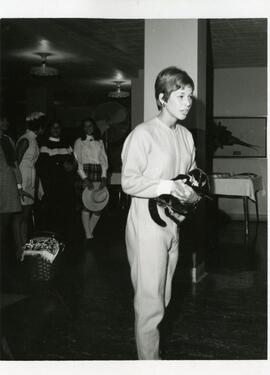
(155, 152)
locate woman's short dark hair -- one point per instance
(96, 131)
(36, 124)
(58, 122)
(169, 80)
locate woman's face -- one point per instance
(179, 102)
(88, 128)
(55, 130)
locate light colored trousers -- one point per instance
(152, 253)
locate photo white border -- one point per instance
(134, 8)
(137, 9)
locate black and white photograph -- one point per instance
(133, 188)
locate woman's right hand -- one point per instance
(88, 184)
(185, 193)
(68, 167)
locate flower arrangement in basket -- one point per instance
(43, 251)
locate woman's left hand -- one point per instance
(24, 194)
(177, 216)
(103, 183)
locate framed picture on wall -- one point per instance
(247, 137)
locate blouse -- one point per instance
(152, 155)
(90, 151)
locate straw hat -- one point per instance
(95, 200)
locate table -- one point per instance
(243, 186)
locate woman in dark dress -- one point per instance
(56, 167)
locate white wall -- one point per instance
(241, 92)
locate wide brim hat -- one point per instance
(96, 199)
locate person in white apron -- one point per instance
(155, 152)
(27, 151)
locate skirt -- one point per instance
(28, 183)
(93, 172)
(9, 195)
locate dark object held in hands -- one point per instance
(197, 180)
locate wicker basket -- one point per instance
(40, 269)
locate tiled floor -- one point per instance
(88, 314)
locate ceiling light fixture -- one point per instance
(44, 70)
(118, 93)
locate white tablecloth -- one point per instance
(236, 185)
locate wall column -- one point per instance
(180, 42)
(137, 99)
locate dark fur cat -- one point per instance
(196, 179)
